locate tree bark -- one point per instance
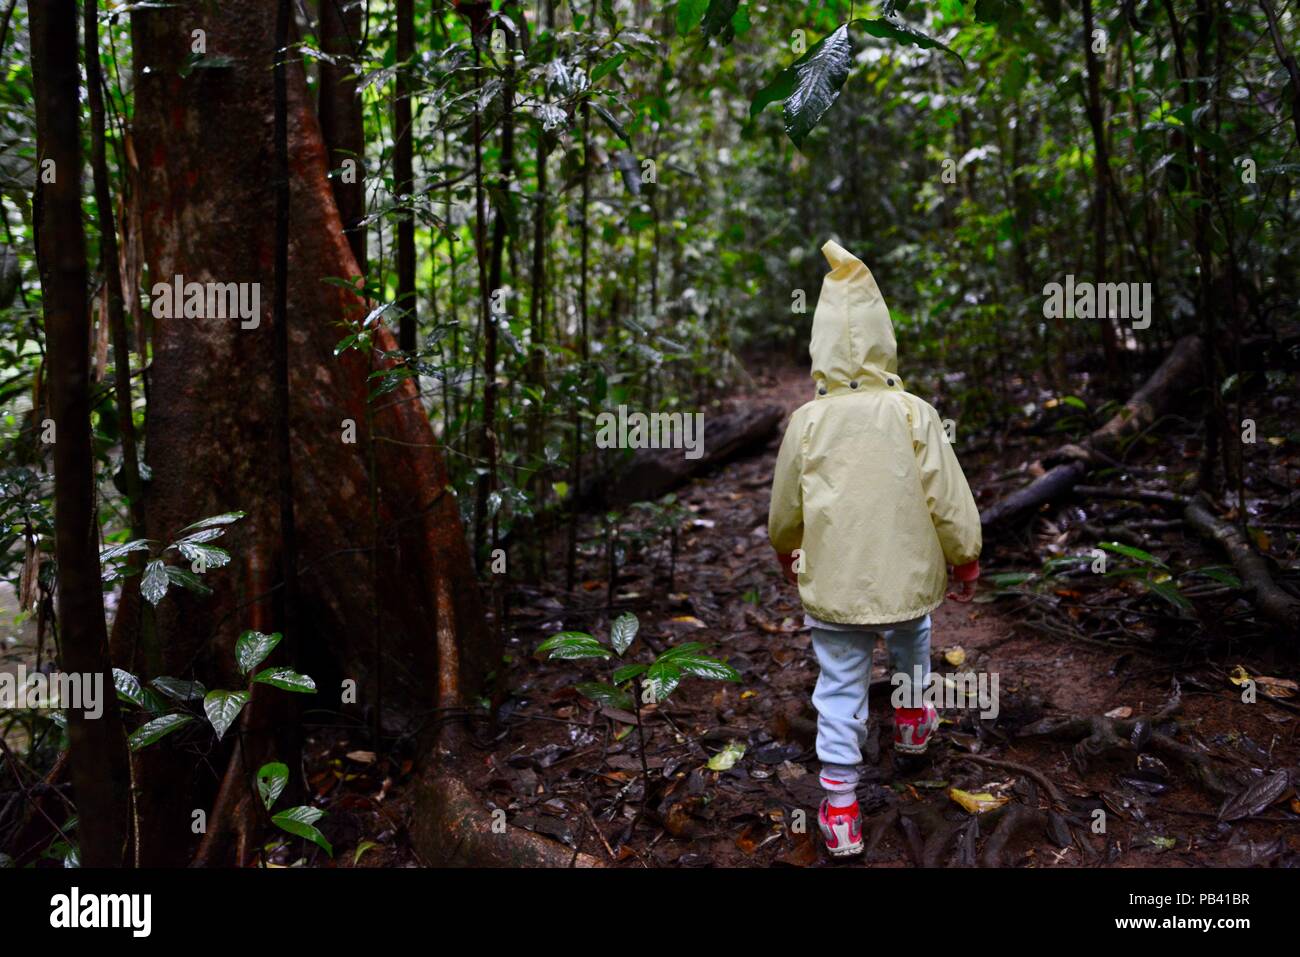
(100, 768)
(206, 154)
(341, 120)
(404, 177)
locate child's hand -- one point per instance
(965, 592)
(966, 576)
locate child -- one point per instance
(868, 506)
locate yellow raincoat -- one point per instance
(866, 483)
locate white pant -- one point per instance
(841, 693)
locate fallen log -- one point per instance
(1180, 370)
(1273, 602)
(651, 473)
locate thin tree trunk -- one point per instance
(342, 122)
(100, 767)
(404, 177)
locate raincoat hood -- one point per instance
(852, 335)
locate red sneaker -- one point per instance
(913, 728)
(842, 828)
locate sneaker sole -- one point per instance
(849, 851)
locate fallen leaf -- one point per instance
(976, 803)
(955, 656)
(1124, 711)
(726, 758)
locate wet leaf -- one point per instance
(726, 759)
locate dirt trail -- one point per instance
(563, 767)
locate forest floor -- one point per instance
(566, 768)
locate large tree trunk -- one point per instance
(100, 768)
(206, 154)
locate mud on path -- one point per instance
(564, 767)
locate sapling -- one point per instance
(659, 679)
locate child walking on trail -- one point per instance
(869, 507)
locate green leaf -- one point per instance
(225, 518)
(157, 729)
(628, 671)
(612, 123)
(623, 631)
(717, 20)
(572, 645)
(153, 586)
(209, 556)
(286, 679)
(996, 11)
(252, 648)
(603, 70)
(222, 708)
(903, 32)
(607, 695)
(1170, 593)
(179, 690)
(1130, 552)
(726, 759)
(186, 579)
(662, 678)
(818, 77)
(689, 13)
(271, 781)
(703, 667)
(300, 821)
(128, 687)
(118, 551)
(361, 849)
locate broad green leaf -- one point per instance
(225, 518)
(153, 586)
(603, 70)
(689, 13)
(178, 689)
(222, 708)
(628, 671)
(572, 645)
(818, 78)
(156, 729)
(300, 821)
(252, 648)
(607, 695)
(623, 631)
(903, 32)
(717, 20)
(662, 678)
(286, 679)
(186, 579)
(271, 781)
(118, 551)
(128, 687)
(703, 667)
(209, 556)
